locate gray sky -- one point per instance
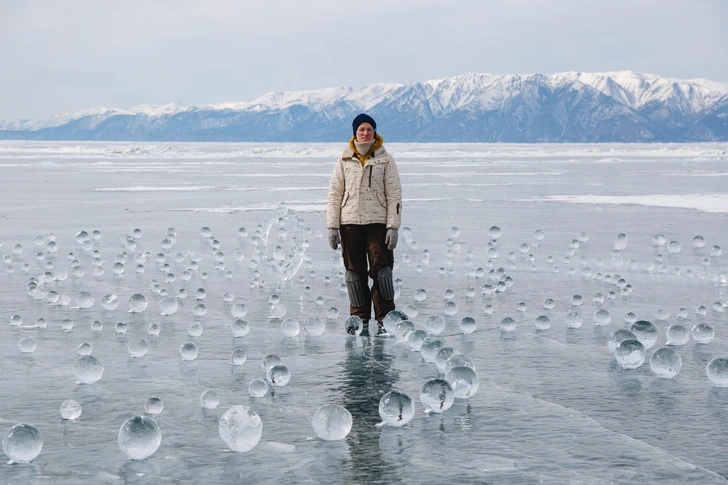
(66, 55)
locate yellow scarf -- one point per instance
(378, 142)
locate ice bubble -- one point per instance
(137, 303)
(84, 349)
(228, 297)
(662, 314)
(598, 298)
(240, 428)
(240, 327)
(702, 311)
(429, 348)
(290, 327)
(85, 299)
(665, 362)
(67, 324)
(507, 324)
(630, 353)
(238, 357)
(153, 328)
(450, 308)
(716, 251)
(616, 337)
(521, 306)
(467, 325)
(702, 333)
(415, 340)
(396, 408)
(435, 324)
(278, 375)
(258, 388)
(199, 310)
(332, 422)
(277, 311)
(698, 242)
(602, 317)
(542, 322)
(420, 295)
(574, 319)
(658, 240)
(630, 318)
(718, 307)
(354, 325)
(404, 330)
(209, 399)
(454, 232)
(392, 319)
(120, 328)
(645, 331)
(88, 369)
(269, 361)
(464, 381)
(188, 351)
(717, 370)
(138, 348)
(314, 325)
(682, 313)
(621, 243)
(576, 300)
(97, 326)
(494, 232)
(70, 409)
(673, 247)
(154, 405)
(16, 320)
(437, 396)
(538, 235)
(239, 310)
(26, 345)
(22, 443)
(139, 437)
(549, 304)
(168, 305)
(442, 356)
(110, 302)
(488, 309)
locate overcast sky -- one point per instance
(66, 55)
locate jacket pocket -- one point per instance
(345, 199)
(382, 199)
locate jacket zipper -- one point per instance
(397, 209)
(370, 176)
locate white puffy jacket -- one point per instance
(368, 194)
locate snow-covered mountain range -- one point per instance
(619, 106)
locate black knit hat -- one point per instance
(363, 118)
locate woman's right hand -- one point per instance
(334, 238)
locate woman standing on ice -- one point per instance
(364, 213)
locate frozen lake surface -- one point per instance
(553, 405)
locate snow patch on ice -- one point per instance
(701, 202)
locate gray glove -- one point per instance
(334, 238)
(390, 239)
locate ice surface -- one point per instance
(553, 406)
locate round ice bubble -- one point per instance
(277, 311)
(392, 319)
(420, 295)
(494, 232)
(120, 327)
(137, 303)
(574, 319)
(665, 362)
(139, 437)
(716, 251)
(314, 325)
(278, 375)
(621, 243)
(673, 247)
(616, 337)
(662, 314)
(602, 317)
(538, 235)
(85, 300)
(488, 309)
(154, 328)
(238, 310)
(464, 381)
(88, 369)
(450, 308)
(16, 320)
(269, 361)
(67, 324)
(717, 370)
(188, 351)
(238, 357)
(682, 313)
(630, 318)
(576, 300)
(353, 325)
(442, 356)
(702, 311)
(138, 348)
(332, 422)
(404, 330)
(507, 324)
(429, 348)
(467, 325)
(240, 327)
(396, 408)
(718, 307)
(415, 340)
(110, 302)
(542, 322)
(290, 327)
(199, 310)
(258, 388)
(698, 242)
(411, 311)
(702, 333)
(458, 360)
(658, 240)
(645, 331)
(549, 304)
(26, 345)
(195, 329)
(22, 443)
(209, 399)
(70, 410)
(168, 305)
(154, 405)
(437, 396)
(630, 354)
(240, 428)
(448, 294)
(435, 324)
(332, 313)
(677, 335)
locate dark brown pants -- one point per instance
(365, 253)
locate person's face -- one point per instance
(364, 133)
